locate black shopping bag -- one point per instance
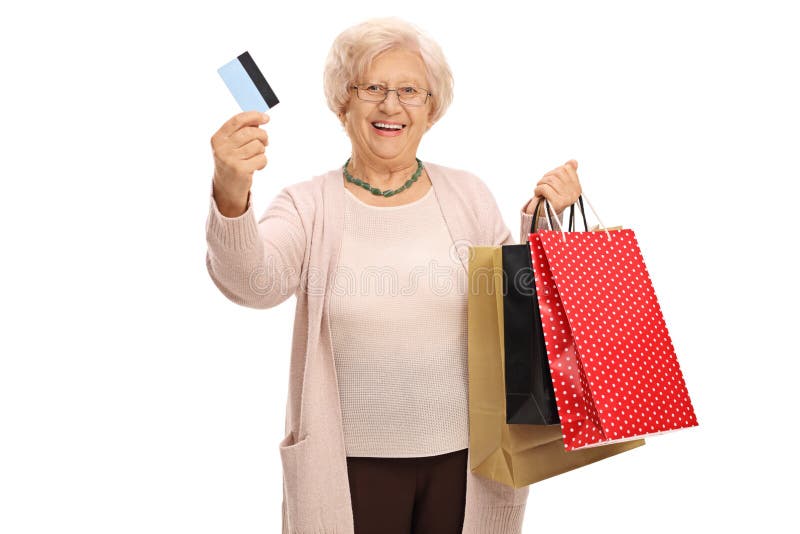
(530, 398)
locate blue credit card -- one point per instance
(247, 85)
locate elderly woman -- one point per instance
(377, 421)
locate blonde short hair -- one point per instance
(355, 48)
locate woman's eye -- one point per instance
(375, 88)
(408, 90)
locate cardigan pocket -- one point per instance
(302, 496)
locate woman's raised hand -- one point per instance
(238, 148)
(560, 187)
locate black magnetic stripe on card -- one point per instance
(258, 79)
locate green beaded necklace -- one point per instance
(375, 190)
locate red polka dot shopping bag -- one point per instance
(614, 370)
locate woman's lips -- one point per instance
(387, 133)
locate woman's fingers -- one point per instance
(565, 173)
(560, 186)
(240, 120)
(547, 191)
(243, 136)
(251, 149)
(552, 179)
(257, 162)
(552, 195)
(551, 187)
(558, 171)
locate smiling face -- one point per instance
(373, 126)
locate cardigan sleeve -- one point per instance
(256, 263)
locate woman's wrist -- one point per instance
(230, 206)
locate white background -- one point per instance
(135, 398)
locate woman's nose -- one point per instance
(391, 102)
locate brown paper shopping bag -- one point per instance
(515, 455)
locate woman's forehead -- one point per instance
(396, 65)
(395, 81)
(399, 76)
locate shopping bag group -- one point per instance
(570, 360)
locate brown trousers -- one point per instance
(423, 495)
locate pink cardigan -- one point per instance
(293, 250)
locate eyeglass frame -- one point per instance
(390, 89)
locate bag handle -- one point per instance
(583, 213)
(602, 225)
(535, 219)
(571, 217)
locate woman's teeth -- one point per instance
(384, 126)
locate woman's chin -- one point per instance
(384, 154)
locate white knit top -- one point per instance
(398, 316)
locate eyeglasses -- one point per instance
(408, 95)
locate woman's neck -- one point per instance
(382, 174)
